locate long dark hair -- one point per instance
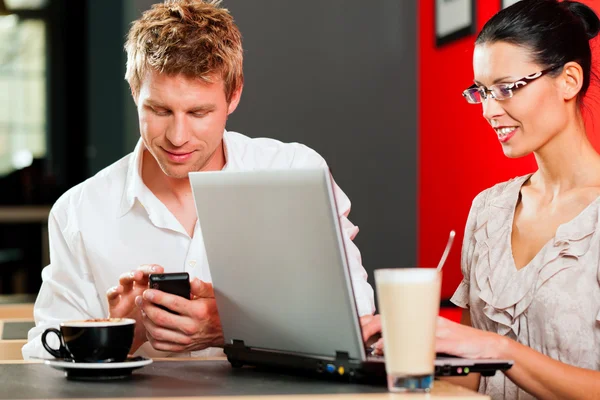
(555, 32)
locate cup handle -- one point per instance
(61, 352)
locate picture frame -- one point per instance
(506, 3)
(454, 19)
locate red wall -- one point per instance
(459, 154)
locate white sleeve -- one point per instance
(363, 292)
(68, 291)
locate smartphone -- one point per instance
(177, 283)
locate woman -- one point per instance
(531, 251)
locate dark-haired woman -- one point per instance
(531, 251)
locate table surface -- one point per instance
(16, 311)
(209, 379)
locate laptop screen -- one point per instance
(277, 260)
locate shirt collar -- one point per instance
(134, 183)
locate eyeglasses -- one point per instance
(502, 91)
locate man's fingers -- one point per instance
(139, 275)
(113, 294)
(201, 289)
(126, 280)
(156, 334)
(371, 327)
(167, 346)
(378, 346)
(148, 269)
(152, 298)
(144, 271)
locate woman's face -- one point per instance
(536, 112)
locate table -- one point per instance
(208, 379)
(22, 310)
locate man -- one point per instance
(184, 67)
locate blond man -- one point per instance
(137, 216)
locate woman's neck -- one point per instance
(567, 161)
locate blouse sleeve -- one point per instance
(461, 295)
(598, 315)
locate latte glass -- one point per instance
(409, 302)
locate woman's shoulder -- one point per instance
(501, 194)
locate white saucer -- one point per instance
(100, 370)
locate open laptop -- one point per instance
(281, 278)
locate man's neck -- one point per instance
(167, 188)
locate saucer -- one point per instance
(99, 371)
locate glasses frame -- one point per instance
(519, 83)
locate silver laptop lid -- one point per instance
(277, 260)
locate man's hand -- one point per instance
(121, 299)
(197, 326)
(371, 328)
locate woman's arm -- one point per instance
(537, 374)
(470, 381)
(545, 377)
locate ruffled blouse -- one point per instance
(552, 304)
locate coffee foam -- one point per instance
(99, 322)
(406, 275)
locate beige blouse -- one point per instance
(552, 304)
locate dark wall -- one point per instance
(340, 77)
(107, 89)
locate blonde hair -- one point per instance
(196, 38)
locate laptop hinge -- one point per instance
(234, 351)
(238, 344)
(342, 356)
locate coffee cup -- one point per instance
(93, 340)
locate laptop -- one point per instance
(281, 278)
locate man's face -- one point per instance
(182, 120)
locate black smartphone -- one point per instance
(177, 283)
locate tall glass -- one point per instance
(409, 302)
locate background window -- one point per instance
(23, 87)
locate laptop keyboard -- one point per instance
(378, 357)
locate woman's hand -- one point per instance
(467, 342)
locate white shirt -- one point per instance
(112, 223)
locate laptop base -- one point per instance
(342, 368)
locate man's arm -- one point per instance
(363, 292)
(68, 291)
(305, 157)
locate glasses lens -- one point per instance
(502, 92)
(473, 96)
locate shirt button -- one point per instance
(192, 263)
